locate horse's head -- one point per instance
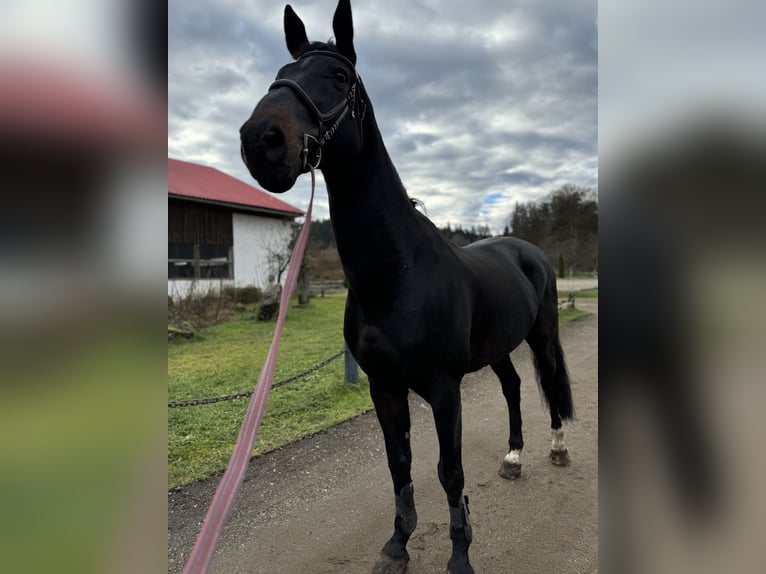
(313, 110)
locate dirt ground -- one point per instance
(325, 504)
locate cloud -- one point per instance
(474, 100)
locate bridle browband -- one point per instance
(335, 115)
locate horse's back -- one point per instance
(515, 260)
(513, 279)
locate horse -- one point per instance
(420, 311)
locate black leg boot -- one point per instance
(461, 535)
(394, 556)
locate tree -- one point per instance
(278, 250)
(322, 253)
(565, 225)
(278, 254)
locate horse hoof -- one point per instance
(388, 565)
(460, 567)
(560, 457)
(510, 470)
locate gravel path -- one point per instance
(324, 505)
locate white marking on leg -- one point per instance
(557, 444)
(512, 457)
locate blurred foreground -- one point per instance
(82, 233)
(682, 312)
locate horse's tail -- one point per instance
(560, 382)
(543, 338)
(552, 374)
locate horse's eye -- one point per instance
(341, 77)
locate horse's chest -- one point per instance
(378, 352)
(404, 342)
(388, 355)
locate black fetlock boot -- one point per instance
(461, 535)
(394, 556)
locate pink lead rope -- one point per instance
(226, 493)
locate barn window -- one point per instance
(199, 261)
(199, 241)
(181, 261)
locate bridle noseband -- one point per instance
(335, 115)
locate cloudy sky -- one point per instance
(481, 104)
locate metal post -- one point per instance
(350, 367)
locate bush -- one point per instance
(244, 295)
(200, 309)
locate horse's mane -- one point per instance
(416, 203)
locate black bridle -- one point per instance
(335, 115)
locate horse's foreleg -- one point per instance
(511, 383)
(445, 402)
(394, 416)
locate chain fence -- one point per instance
(247, 394)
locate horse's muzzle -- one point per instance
(264, 151)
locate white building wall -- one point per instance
(254, 237)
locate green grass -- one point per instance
(582, 293)
(566, 315)
(226, 359)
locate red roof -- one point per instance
(208, 184)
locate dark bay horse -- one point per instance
(420, 312)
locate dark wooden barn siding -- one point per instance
(199, 223)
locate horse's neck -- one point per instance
(376, 227)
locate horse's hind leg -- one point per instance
(394, 416)
(559, 454)
(554, 380)
(511, 384)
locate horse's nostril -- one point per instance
(272, 138)
(274, 145)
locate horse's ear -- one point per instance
(343, 27)
(295, 32)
